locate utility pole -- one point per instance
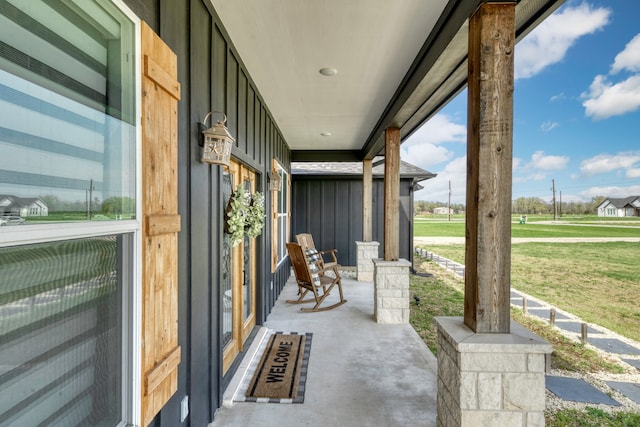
(560, 207)
(449, 205)
(555, 209)
(90, 196)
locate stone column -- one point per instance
(366, 253)
(391, 291)
(489, 380)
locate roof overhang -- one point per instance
(397, 64)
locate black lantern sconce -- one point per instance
(216, 141)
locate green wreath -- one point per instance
(255, 216)
(244, 214)
(236, 215)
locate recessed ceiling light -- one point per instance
(328, 71)
(326, 134)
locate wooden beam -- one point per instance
(326, 156)
(391, 194)
(367, 189)
(489, 168)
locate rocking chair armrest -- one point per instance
(332, 252)
(328, 251)
(330, 267)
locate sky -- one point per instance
(576, 113)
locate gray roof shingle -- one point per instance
(407, 170)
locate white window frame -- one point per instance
(132, 298)
(282, 238)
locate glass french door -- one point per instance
(238, 275)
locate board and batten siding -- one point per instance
(330, 209)
(212, 77)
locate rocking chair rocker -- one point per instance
(311, 278)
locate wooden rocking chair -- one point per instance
(305, 240)
(310, 278)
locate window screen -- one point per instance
(61, 341)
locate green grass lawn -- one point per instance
(569, 219)
(595, 281)
(457, 229)
(441, 295)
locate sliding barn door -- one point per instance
(161, 223)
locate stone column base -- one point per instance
(391, 291)
(490, 379)
(366, 253)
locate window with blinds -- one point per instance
(67, 155)
(67, 110)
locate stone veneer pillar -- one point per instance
(391, 291)
(490, 379)
(366, 253)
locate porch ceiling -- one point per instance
(397, 62)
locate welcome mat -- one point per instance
(281, 373)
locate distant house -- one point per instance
(23, 206)
(442, 210)
(628, 206)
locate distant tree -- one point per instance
(422, 207)
(595, 202)
(118, 205)
(530, 205)
(53, 202)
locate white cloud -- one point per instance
(559, 97)
(605, 163)
(516, 163)
(540, 176)
(632, 173)
(550, 41)
(424, 155)
(424, 148)
(611, 191)
(606, 99)
(548, 126)
(437, 189)
(541, 161)
(439, 129)
(629, 58)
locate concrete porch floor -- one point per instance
(360, 373)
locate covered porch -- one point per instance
(361, 373)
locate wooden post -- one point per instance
(489, 168)
(367, 189)
(524, 305)
(583, 333)
(552, 316)
(391, 194)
